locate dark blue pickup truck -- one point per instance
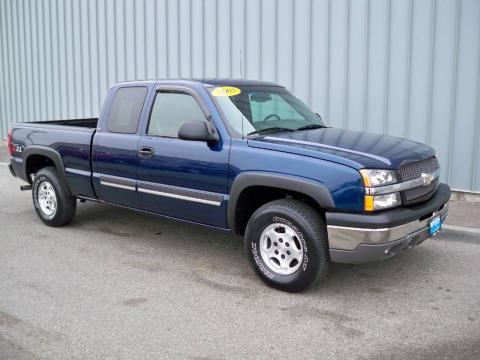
(247, 157)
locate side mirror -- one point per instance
(197, 131)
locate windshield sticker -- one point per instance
(226, 91)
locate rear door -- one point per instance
(180, 178)
(115, 147)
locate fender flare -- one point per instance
(44, 151)
(314, 189)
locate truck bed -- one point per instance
(69, 141)
(90, 123)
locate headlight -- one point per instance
(380, 202)
(373, 178)
(380, 177)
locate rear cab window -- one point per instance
(125, 110)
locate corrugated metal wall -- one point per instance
(403, 67)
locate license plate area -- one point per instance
(435, 225)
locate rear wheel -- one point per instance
(286, 244)
(52, 199)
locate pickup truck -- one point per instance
(242, 156)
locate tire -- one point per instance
(52, 199)
(286, 243)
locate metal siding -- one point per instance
(408, 68)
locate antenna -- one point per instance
(241, 70)
(241, 83)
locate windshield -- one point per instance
(254, 109)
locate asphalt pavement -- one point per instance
(116, 284)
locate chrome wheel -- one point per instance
(47, 199)
(281, 249)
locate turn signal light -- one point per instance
(369, 203)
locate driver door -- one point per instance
(181, 178)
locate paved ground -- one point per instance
(464, 214)
(116, 285)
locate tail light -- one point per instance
(10, 146)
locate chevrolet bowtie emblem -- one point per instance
(427, 179)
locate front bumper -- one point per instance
(359, 238)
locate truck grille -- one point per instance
(413, 171)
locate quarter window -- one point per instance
(126, 109)
(170, 111)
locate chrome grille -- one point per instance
(413, 171)
(419, 192)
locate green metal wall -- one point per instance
(409, 68)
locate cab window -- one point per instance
(126, 109)
(170, 111)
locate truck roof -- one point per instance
(226, 82)
(235, 82)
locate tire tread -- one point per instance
(66, 203)
(313, 219)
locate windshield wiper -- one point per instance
(268, 130)
(310, 127)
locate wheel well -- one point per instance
(253, 197)
(36, 162)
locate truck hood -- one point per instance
(352, 148)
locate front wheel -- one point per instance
(52, 200)
(287, 245)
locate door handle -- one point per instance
(145, 152)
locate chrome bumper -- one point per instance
(359, 245)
